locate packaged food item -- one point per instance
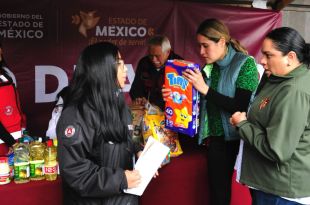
(137, 113)
(154, 125)
(172, 141)
(4, 171)
(181, 107)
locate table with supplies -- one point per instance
(183, 181)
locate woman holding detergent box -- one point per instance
(226, 85)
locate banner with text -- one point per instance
(42, 41)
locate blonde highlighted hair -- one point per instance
(214, 30)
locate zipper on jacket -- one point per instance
(278, 166)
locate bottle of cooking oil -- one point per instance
(55, 143)
(50, 161)
(37, 159)
(21, 161)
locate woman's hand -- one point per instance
(133, 178)
(11, 149)
(166, 92)
(156, 174)
(237, 117)
(139, 154)
(195, 77)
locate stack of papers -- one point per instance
(148, 163)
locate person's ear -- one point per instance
(168, 52)
(222, 41)
(291, 58)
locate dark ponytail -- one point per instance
(307, 54)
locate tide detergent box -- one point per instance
(181, 108)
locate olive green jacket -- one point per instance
(276, 155)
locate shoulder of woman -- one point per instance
(249, 63)
(248, 77)
(72, 125)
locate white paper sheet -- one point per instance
(148, 163)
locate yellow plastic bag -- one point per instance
(154, 125)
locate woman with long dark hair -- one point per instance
(95, 146)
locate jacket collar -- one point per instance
(228, 57)
(300, 70)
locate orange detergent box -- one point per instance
(181, 108)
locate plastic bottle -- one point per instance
(21, 161)
(36, 149)
(50, 162)
(55, 143)
(27, 137)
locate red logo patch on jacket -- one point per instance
(8, 110)
(11, 116)
(264, 103)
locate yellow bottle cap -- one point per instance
(55, 142)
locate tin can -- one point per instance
(4, 171)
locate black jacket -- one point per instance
(91, 168)
(148, 81)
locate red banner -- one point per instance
(42, 40)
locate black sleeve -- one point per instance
(6, 136)
(137, 88)
(63, 92)
(239, 103)
(7, 75)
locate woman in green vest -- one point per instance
(226, 85)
